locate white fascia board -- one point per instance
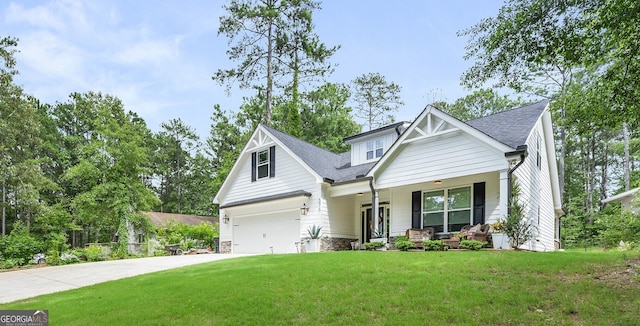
(430, 109)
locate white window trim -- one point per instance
(446, 210)
(258, 164)
(374, 149)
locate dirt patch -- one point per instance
(626, 276)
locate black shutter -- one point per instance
(253, 166)
(478, 202)
(416, 209)
(272, 161)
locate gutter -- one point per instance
(522, 152)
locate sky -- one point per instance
(158, 56)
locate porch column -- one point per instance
(504, 193)
(375, 203)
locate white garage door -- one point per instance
(270, 233)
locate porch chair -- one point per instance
(477, 232)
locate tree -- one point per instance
(376, 99)
(108, 174)
(270, 39)
(306, 57)
(21, 177)
(478, 104)
(176, 142)
(326, 118)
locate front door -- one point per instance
(368, 228)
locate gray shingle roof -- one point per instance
(509, 127)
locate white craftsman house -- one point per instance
(436, 171)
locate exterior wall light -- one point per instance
(437, 182)
(304, 209)
(225, 219)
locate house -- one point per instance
(436, 171)
(628, 199)
(160, 219)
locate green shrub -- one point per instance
(53, 257)
(94, 253)
(79, 252)
(403, 243)
(472, 244)
(188, 244)
(11, 263)
(435, 245)
(18, 248)
(68, 258)
(373, 245)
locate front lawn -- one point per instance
(390, 288)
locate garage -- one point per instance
(275, 233)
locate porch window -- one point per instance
(447, 210)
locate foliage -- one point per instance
(272, 40)
(94, 253)
(472, 244)
(314, 231)
(497, 226)
(18, 248)
(376, 99)
(403, 244)
(326, 118)
(69, 258)
(480, 103)
(435, 245)
(188, 236)
(378, 234)
(373, 245)
(618, 225)
(516, 225)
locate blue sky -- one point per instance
(158, 56)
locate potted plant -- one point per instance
(313, 244)
(498, 237)
(378, 236)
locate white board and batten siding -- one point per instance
(536, 191)
(359, 148)
(439, 158)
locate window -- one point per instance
(263, 164)
(538, 156)
(375, 152)
(446, 210)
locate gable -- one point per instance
(284, 172)
(433, 126)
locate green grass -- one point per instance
(373, 288)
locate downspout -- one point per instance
(522, 151)
(374, 206)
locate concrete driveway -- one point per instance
(27, 283)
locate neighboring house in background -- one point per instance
(436, 171)
(628, 199)
(161, 219)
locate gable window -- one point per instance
(446, 210)
(375, 149)
(263, 164)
